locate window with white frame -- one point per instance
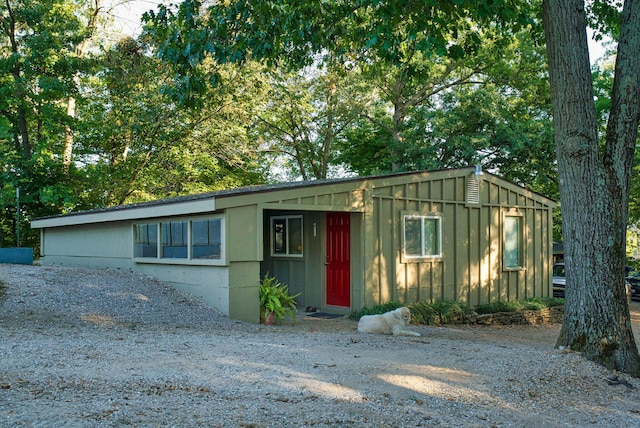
(422, 236)
(286, 236)
(200, 239)
(512, 246)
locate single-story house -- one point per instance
(343, 244)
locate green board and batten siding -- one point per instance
(470, 268)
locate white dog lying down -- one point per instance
(392, 322)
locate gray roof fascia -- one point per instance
(129, 212)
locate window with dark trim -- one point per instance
(286, 236)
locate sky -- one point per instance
(128, 14)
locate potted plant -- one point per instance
(275, 300)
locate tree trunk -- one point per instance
(594, 190)
(81, 51)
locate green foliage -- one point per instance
(451, 311)
(293, 31)
(275, 297)
(439, 312)
(531, 304)
(376, 310)
(410, 56)
(312, 116)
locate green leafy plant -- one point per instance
(451, 311)
(531, 304)
(275, 297)
(439, 312)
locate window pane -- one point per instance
(512, 245)
(200, 232)
(412, 236)
(279, 237)
(295, 236)
(146, 240)
(431, 237)
(206, 240)
(179, 233)
(174, 240)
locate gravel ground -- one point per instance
(89, 348)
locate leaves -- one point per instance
(275, 297)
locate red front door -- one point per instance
(338, 262)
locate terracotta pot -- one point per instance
(270, 319)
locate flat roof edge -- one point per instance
(128, 213)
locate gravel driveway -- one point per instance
(89, 348)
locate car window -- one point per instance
(558, 270)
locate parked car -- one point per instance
(559, 280)
(632, 281)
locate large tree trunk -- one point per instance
(594, 184)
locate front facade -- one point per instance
(342, 244)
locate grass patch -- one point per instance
(450, 311)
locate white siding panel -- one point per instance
(112, 240)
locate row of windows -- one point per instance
(185, 239)
(203, 239)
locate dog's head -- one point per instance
(404, 314)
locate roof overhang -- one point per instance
(128, 213)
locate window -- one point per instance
(206, 239)
(422, 236)
(174, 240)
(512, 247)
(200, 239)
(146, 240)
(286, 236)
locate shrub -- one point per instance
(376, 310)
(439, 312)
(530, 304)
(451, 311)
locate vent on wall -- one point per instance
(473, 189)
